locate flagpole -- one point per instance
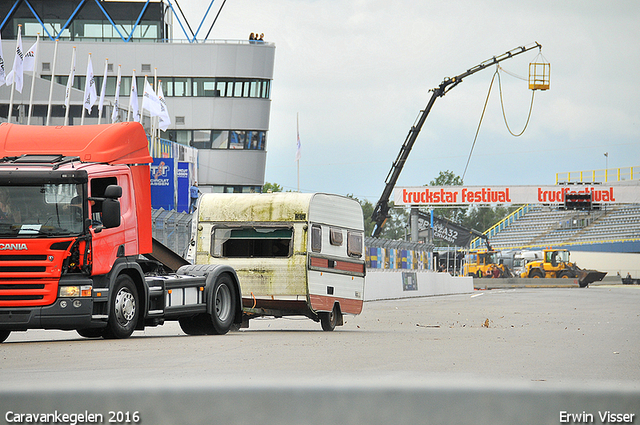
(33, 79)
(298, 141)
(67, 98)
(102, 89)
(115, 114)
(133, 79)
(154, 126)
(13, 83)
(53, 77)
(84, 97)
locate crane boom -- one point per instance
(381, 211)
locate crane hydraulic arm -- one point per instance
(381, 211)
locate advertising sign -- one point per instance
(183, 186)
(474, 195)
(445, 230)
(162, 185)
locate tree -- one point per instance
(448, 178)
(395, 226)
(483, 217)
(271, 187)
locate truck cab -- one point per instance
(76, 251)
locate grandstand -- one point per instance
(614, 228)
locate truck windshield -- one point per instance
(44, 209)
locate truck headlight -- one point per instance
(75, 291)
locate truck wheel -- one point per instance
(193, 325)
(4, 335)
(329, 320)
(124, 309)
(90, 332)
(223, 309)
(565, 274)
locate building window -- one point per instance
(202, 139)
(220, 140)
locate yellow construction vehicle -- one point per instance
(556, 264)
(484, 263)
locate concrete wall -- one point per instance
(381, 285)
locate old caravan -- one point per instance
(294, 253)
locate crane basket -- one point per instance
(539, 74)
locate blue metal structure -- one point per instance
(168, 5)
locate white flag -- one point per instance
(90, 94)
(18, 63)
(116, 103)
(2, 74)
(164, 120)
(150, 101)
(104, 87)
(72, 74)
(30, 58)
(133, 98)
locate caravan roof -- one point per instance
(333, 210)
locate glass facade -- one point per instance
(180, 86)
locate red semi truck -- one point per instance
(76, 247)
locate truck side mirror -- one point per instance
(111, 212)
(113, 191)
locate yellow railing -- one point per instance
(567, 244)
(502, 223)
(602, 176)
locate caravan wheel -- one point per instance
(329, 320)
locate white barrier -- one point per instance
(392, 284)
(381, 401)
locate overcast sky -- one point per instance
(359, 71)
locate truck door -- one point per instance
(108, 243)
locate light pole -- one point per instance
(606, 166)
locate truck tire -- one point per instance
(193, 325)
(223, 308)
(90, 332)
(565, 274)
(4, 335)
(329, 320)
(124, 310)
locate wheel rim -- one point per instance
(125, 306)
(223, 302)
(332, 317)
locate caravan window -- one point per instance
(335, 237)
(250, 242)
(354, 244)
(316, 238)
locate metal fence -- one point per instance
(172, 228)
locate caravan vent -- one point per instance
(146, 67)
(180, 120)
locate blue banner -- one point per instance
(162, 184)
(183, 186)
